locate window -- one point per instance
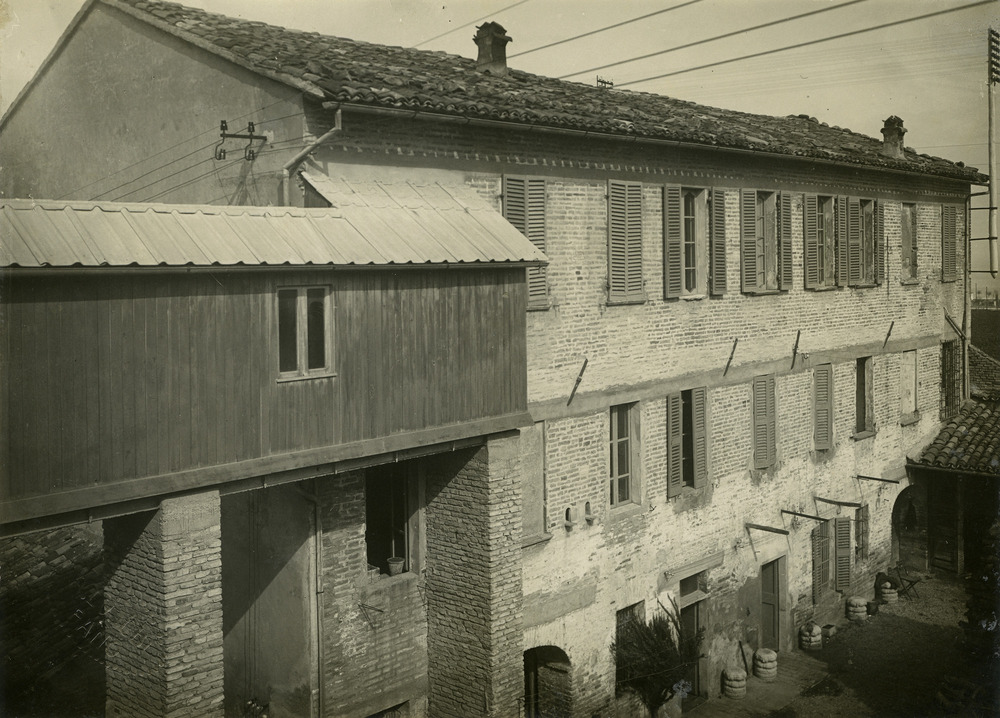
(687, 440)
(831, 557)
(823, 406)
(908, 387)
(764, 422)
(949, 244)
(820, 232)
(524, 207)
(822, 567)
(766, 249)
(864, 243)
(625, 243)
(624, 445)
(861, 533)
(908, 222)
(303, 336)
(533, 490)
(864, 424)
(391, 500)
(951, 379)
(628, 617)
(694, 245)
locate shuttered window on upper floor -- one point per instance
(819, 231)
(625, 283)
(524, 207)
(949, 243)
(765, 241)
(863, 242)
(764, 422)
(694, 241)
(823, 406)
(687, 440)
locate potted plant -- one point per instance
(396, 565)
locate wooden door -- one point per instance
(770, 605)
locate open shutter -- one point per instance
(810, 231)
(785, 240)
(854, 241)
(764, 452)
(748, 240)
(717, 242)
(818, 539)
(949, 258)
(842, 253)
(699, 423)
(823, 406)
(842, 542)
(879, 241)
(524, 207)
(772, 424)
(673, 250)
(675, 444)
(617, 241)
(634, 251)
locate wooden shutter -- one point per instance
(634, 209)
(624, 241)
(673, 249)
(810, 244)
(675, 444)
(785, 240)
(818, 582)
(949, 254)
(823, 406)
(764, 435)
(879, 248)
(717, 243)
(842, 543)
(699, 423)
(841, 231)
(854, 248)
(748, 240)
(524, 207)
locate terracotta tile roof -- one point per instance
(984, 375)
(349, 71)
(969, 442)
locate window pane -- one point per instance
(287, 332)
(316, 337)
(623, 466)
(623, 492)
(622, 415)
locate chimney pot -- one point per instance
(492, 40)
(892, 133)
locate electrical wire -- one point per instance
(603, 29)
(771, 23)
(472, 22)
(838, 36)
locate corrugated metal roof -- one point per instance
(434, 228)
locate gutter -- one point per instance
(299, 158)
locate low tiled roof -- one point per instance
(103, 234)
(984, 375)
(970, 442)
(360, 73)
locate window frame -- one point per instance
(764, 422)
(909, 258)
(412, 487)
(949, 243)
(700, 235)
(633, 476)
(909, 411)
(951, 379)
(765, 241)
(823, 401)
(862, 533)
(302, 369)
(861, 242)
(525, 201)
(625, 235)
(864, 404)
(688, 442)
(819, 216)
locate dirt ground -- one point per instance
(901, 663)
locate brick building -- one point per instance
(745, 326)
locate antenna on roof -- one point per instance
(606, 84)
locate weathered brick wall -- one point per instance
(163, 610)
(474, 582)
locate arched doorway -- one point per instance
(547, 683)
(909, 528)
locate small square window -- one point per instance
(693, 584)
(303, 332)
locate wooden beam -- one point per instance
(878, 478)
(851, 504)
(770, 529)
(805, 516)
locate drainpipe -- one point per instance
(292, 164)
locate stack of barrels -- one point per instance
(734, 683)
(811, 637)
(857, 609)
(765, 664)
(887, 593)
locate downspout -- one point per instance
(292, 164)
(967, 299)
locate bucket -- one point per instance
(396, 565)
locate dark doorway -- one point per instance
(770, 605)
(691, 622)
(547, 692)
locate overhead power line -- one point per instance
(771, 23)
(839, 36)
(603, 29)
(471, 22)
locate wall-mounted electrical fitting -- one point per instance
(249, 153)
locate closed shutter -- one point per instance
(785, 241)
(673, 250)
(949, 258)
(810, 231)
(624, 241)
(524, 207)
(879, 242)
(699, 423)
(764, 435)
(634, 209)
(842, 252)
(854, 241)
(842, 542)
(823, 406)
(717, 240)
(748, 240)
(675, 444)
(818, 583)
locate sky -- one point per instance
(931, 72)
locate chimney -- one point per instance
(492, 40)
(892, 132)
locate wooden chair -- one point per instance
(907, 583)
